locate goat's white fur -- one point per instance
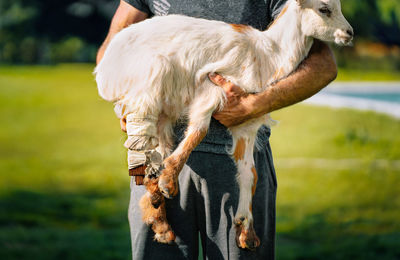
(160, 67)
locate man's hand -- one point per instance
(236, 109)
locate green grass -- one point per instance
(64, 187)
(63, 183)
(367, 75)
(338, 174)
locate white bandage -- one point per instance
(136, 158)
(141, 132)
(142, 143)
(151, 158)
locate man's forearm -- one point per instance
(124, 16)
(313, 74)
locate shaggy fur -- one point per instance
(159, 68)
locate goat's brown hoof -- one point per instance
(246, 237)
(166, 237)
(168, 185)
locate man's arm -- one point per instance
(313, 74)
(123, 17)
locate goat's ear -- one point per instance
(303, 3)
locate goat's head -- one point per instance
(323, 20)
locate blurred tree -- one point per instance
(39, 31)
(390, 10)
(390, 16)
(377, 20)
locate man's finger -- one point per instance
(217, 79)
(229, 87)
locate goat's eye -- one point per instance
(325, 10)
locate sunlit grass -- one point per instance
(63, 182)
(64, 186)
(367, 75)
(338, 174)
(319, 132)
(57, 128)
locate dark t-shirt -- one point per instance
(256, 13)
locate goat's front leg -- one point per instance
(247, 178)
(208, 99)
(168, 181)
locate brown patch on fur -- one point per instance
(253, 188)
(247, 238)
(240, 28)
(156, 198)
(279, 16)
(174, 163)
(168, 182)
(241, 238)
(255, 179)
(243, 68)
(152, 205)
(238, 154)
(151, 185)
(278, 74)
(193, 140)
(122, 123)
(123, 109)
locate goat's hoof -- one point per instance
(168, 185)
(166, 237)
(246, 237)
(239, 220)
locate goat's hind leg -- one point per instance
(153, 212)
(143, 138)
(207, 101)
(243, 146)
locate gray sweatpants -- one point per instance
(206, 204)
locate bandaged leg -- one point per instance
(142, 133)
(141, 141)
(145, 163)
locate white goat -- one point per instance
(158, 69)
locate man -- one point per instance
(209, 194)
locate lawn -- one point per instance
(365, 75)
(64, 186)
